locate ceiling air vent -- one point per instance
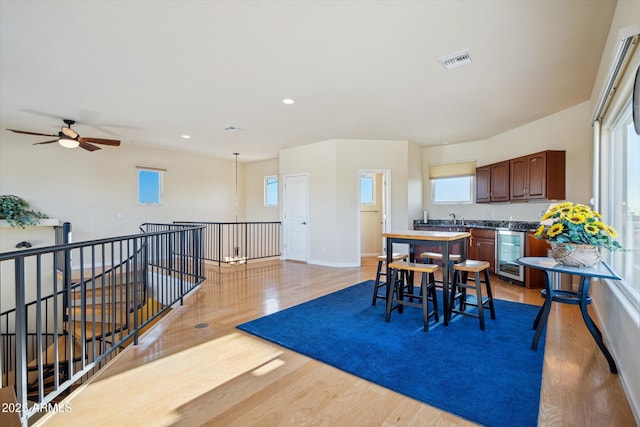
(455, 60)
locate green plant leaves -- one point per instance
(18, 212)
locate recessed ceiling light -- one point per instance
(289, 101)
(186, 136)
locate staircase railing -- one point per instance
(77, 304)
(239, 242)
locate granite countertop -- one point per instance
(507, 225)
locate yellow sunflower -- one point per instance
(539, 232)
(591, 229)
(555, 229)
(547, 215)
(566, 210)
(611, 231)
(562, 206)
(576, 218)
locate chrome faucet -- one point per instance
(454, 217)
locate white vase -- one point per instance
(575, 255)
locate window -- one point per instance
(452, 190)
(452, 182)
(271, 191)
(624, 202)
(367, 189)
(149, 186)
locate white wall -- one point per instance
(333, 167)
(319, 162)
(567, 130)
(414, 184)
(254, 174)
(91, 189)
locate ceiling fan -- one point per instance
(69, 138)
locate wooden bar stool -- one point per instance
(461, 284)
(382, 260)
(436, 258)
(427, 290)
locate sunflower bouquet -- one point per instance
(577, 224)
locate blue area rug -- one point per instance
(490, 377)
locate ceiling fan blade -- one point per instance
(112, 142)
(31, 133)
(87, 146)
(46, 142)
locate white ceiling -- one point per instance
(147, 72)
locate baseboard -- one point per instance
(334, 264)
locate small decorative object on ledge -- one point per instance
(576, 234)
(18, 212)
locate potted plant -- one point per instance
(18, 213)
(576, 234)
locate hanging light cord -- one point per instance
(236, 239)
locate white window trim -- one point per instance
(618, 117)
(373, 188)
(160, 184)
(265, 186)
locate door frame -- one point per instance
(386, 205)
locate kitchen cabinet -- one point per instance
(482, 246)
(534, 278)
(483, 184)
(538, 176)
(492, 183)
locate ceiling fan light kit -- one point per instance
(69, 138)
(68, 143)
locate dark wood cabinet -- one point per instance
(500, 181)
(483, 184)
(482, 246)
(534, 278)
(492, 183)
(538, 176)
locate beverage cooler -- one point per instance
(509, 247)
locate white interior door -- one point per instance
(295, 207)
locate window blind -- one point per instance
(452, 170)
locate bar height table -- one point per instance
(553, 270)
(444, 238)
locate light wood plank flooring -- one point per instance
(180, 375)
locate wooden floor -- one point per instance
(194, 368)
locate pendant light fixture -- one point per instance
(236, 154)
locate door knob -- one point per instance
(304, 223)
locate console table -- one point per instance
(553, 269)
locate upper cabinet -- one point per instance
(536, 176)
(483, 184)
(492, 183)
